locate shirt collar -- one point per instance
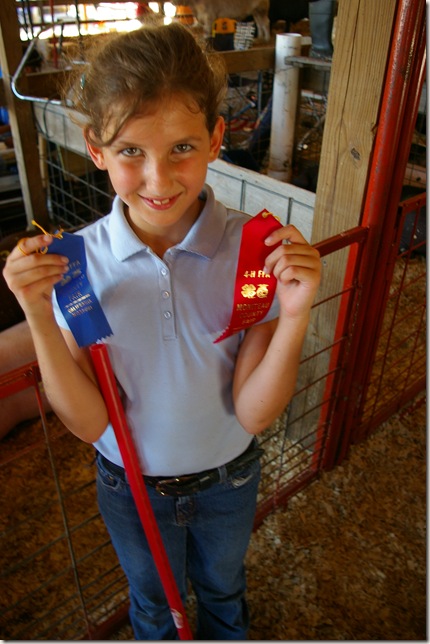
(124, 241)
(206, 234)
(203, 238)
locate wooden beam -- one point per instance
(46, 84)
(21, 117)
(361, 51)
(248, 60)
(363, 33)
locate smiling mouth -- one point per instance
(159, 202)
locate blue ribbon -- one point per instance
(75, 295)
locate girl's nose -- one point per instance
(157, 176)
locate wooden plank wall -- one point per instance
(252, 192)
(363, 34)
(361, 52)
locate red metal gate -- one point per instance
(386, 221)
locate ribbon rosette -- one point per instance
(254, 288)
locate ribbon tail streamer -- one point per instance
(83, 312)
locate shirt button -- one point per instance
(165, 294)
(164, 272)
(167, 315)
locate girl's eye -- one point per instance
(131, 152)
(183, 147)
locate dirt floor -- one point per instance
(346, 560)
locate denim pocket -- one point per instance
(107, 478)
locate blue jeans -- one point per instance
(205, 535)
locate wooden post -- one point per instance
(361, 51)
(362, 42)
(360, 57)
(21, 118)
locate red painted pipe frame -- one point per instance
(110, 393)
(404, 70)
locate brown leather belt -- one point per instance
(192, 483)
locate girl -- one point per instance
(162, 265)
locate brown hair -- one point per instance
(135, 70)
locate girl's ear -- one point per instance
(96, 154)
(217, 138)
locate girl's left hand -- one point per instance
(297, 267)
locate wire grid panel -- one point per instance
(400, 361)
(297, 443)
(77, 192)
(60, 576)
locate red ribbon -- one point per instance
(254, 288)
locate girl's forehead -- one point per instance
(168, 104)
(172, 114)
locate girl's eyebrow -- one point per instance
(186, 138)
(122, 141)
(118, 143)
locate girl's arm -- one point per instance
(268, 360)
(68, 377)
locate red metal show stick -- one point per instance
(110, 393)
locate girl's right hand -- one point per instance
(31, 275)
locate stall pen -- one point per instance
(106, 378)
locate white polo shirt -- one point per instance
(165, 314)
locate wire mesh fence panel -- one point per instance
(77, 192)
(400, 361)
(297, 443)
(247, 94)
(397, 363)
(60, 576)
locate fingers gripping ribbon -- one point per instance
(42, 251)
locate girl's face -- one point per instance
(157, 165)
